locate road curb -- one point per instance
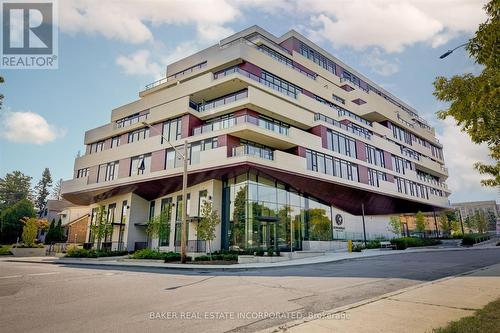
(118, 265)
(284, 327)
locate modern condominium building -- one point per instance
(290, 144)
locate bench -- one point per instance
(387, 245)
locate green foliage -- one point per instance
(30, 231)
(481, 223)
(153, 254)
(400, 243)
(159, 226)
(419, 222)
(358, 247)
(5, 250)
(101, 227)
(49, 236)
(374, 244)
(319, 223)
(239, 215)
(209, 219)
(470, 223)
(59, 232)
(14, 187)
(82, 253)
(395, 225)
(486, 320)
(475, 100)
(471, 239)
(42, 191)
(444, 224)
(56, 191)
(11, 225)
(218, 257)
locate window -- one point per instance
(151, 210)
(124, 211)
(341, 144)
(338, 99)
(173, 160)
(132, 119)
(110, 218)
(253, 149)
(178, 218)
(281, 58)
(279, 84)
(115, 141)
(402, 134)
(202, 198)
(410, 153)
(140, 165)
(171, 130)
(374, 176)
(139, 134)
(400, 164)
(375, 156)
(318, 58)
(82, 173)
(96, 147)
(412, 188)
(108, 171)
(166, 206)
(330, 165)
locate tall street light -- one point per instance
(184, 158)
(447, 53)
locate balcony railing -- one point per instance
(233, 121)
(254, 77)
(250, 150)
(350, 128)
(202, 107)
(192, 246)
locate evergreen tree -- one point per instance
(49, 237)
(14, 187)
(56, 192)
(42, 191)
(59, 232)
(11, 225)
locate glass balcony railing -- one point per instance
(228, 122)
(252, 150)
(358, 130)
(254, 77)
(206, 106)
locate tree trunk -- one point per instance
(209, 250)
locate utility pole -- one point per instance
(184, 204)
(363, 217)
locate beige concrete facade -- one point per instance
(196, 82)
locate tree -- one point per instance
(56, 192)
(101, 227)
(42, 191)
(319, 224)
(239, 215)
(11, 225)
(395, 225)
(30, 230)
(492, 220)
(444, 224)
(59, 232)
(475, 100)
(205, 228)
(14, 187)
(420, 222)
(471, 223)
(49, 237)
(159, 226)
(481, 224)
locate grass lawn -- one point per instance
(486, 320)
(5, 250)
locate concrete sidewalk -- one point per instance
(327, 257)
(415, 309)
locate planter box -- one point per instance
(246, 259)
(28, 251)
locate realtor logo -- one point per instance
(29, 35)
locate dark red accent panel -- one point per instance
(308, 93)
(347, 87)
(291, 44)
(158, 160)
(363, 174)
(189, 122)
(390, 178)
(360, 150)
(321, 131)
(156, 130)
(251, 68)
(358, 101)
(388, 160)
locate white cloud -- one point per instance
(390, 25)
(138, 63)
(460, 155)
(28, 127)
(379, 64)
(128, 20)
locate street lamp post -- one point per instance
(184, 188)
(447, 53)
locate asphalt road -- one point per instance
(56, 298)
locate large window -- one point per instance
(318, 58)
(96, 147)
(375, 156)
(140, 165)
(108, 171)
(166, 208)
(172, 129)
(279, 84)
(173, 160)
(401, 134)
(375, 176)
(330, 165)
(412, 188)
(341, 144)
(132, 119)
(400, 164)
(115, 141)
(82, 173)
(253, 149)
(139, 134)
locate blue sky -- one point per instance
(108, 50)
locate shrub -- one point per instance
(24, 246)
(400, 243)
(83, 253)
(148, 254)
(5, 250)
(357, 247)
(374, 244)
(471, 239)
(259, 253)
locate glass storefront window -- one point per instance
(264, 213)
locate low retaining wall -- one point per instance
(28, 251)
(337, 246)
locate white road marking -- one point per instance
(10, 276)
(38, 274)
